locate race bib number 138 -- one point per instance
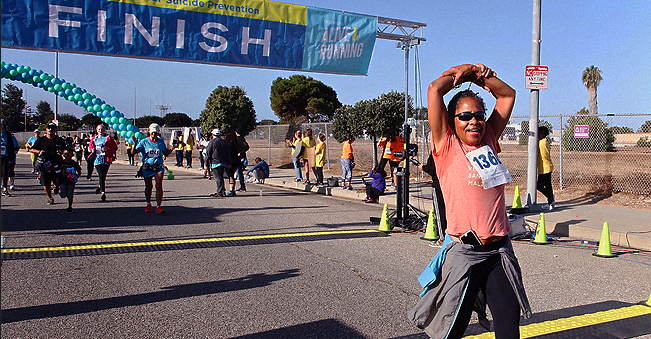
(489, 167)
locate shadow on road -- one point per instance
(325, 329)
(167, 293)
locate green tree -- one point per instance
(91, 121)
(644, 142)
(621, 130)
(523, 138)
(177, 120)
(267, 122)
(301, 99)
(646, 127)
(382, 116)
(12, 107)
(228, 108)
(145, 121)
(196, 123)
(600, 139)
(591, 78)
(44, 113)
(68, 122)
(342, 127)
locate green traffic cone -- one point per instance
(646, 303)
(517, 202)
(430, 231)
(385, 223)
(541, 232)
(604, 244)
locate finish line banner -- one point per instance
(249, 33)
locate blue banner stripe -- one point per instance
(125, 29)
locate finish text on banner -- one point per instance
(250, 33)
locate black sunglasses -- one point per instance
(467, 116)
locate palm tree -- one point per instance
(591, 78)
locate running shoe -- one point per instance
(98, 190)
(230, 193)
(5, 192)
(307, 182)
(242, 190)
(148, 208)
(350, 188)
(69, 210)
(298, 180)
(12, 188)
(103, 196)
(50, 201)
(160, 210)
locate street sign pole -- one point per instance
(532, 163)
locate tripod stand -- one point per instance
(403, 218)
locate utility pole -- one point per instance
(532, 163)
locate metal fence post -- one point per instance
(269, 148)
(327, 148)
(560, 153)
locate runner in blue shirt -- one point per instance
(153, 150)
(29, 144)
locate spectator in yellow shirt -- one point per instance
(320, 152)
(545, 168)
(308, 142)
(189, 145)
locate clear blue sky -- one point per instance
(612, 35)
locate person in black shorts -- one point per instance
(49, 150)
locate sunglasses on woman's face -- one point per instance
(467, 116)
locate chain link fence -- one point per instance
(612, 154)
(607, 153)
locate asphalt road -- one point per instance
(239, 285)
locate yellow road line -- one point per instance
(564, 324)
(183, 241)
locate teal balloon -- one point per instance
(13, 72)
(86, 96)
(127, 122)
(43, 77)
(104, 106)
(129, 134)
(65, 86)
(36, 78)
(139, 135)
(114, 120)
(114, 114)
(77, 97)
(20, 69)
(97, 107)
(123, 134)
(122, 121)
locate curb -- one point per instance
(619, 239)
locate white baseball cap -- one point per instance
(216, 131)
(154, 128)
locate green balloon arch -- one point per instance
(69, 91)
